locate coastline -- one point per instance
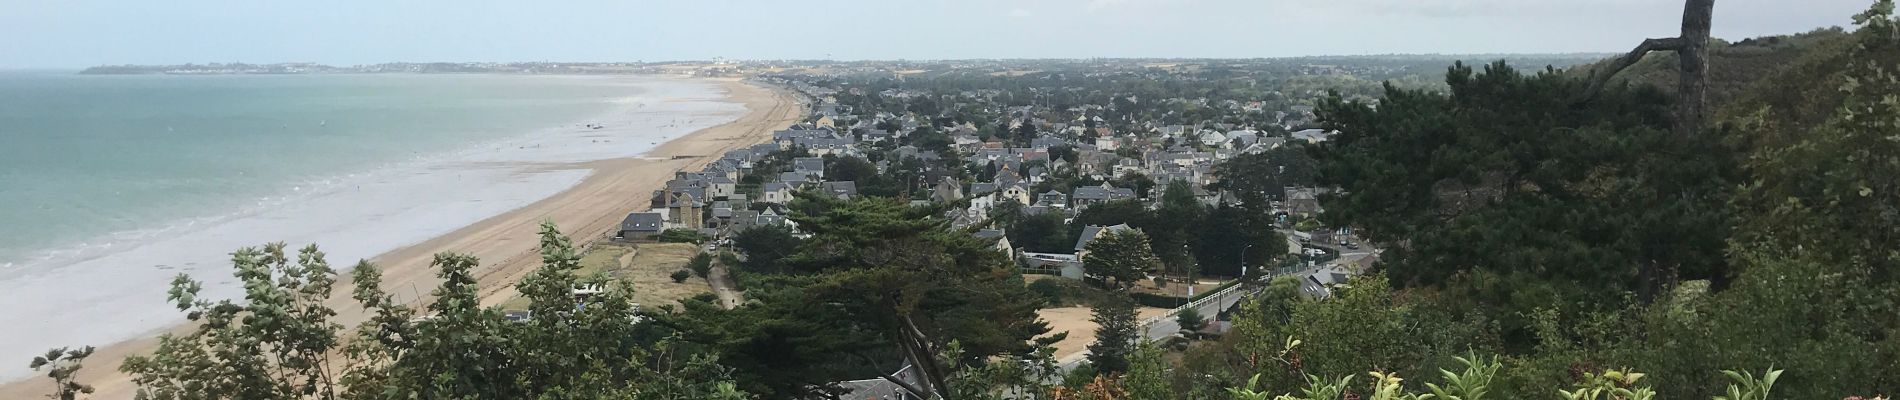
(587, 211)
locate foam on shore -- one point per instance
(115, 289)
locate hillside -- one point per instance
(1733, 67)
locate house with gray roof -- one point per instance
(642, 225)
(1091, 195)
(844, 190)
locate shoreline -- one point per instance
(506, 243)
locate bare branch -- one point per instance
(1601, 77)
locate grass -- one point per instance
(648, 266)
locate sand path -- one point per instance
(506, 243)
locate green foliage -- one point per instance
(883, 282)
(1042, 233)
(1472, 384)
(61, 365)
(680, 276)
(766, 248)
(1122, 256)
(1609, 385)
(680, 235)
(1229, 233)
(1190, 319)
(1363, 326)
(701, 264)
(281, 344)
(1115, 336)
(1747, 387)
(1506, 193)
(1148, 375)
(1259, 177)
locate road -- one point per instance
(1162, 326)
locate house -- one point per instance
(1313, 135)
(1089, 233)
(842, 190)
(1002, 241)
(880, 388)
(1015, 191)
(1052, 198)
(947, 190)
(1091, 195)
(797, 178)
(1302, 202)
(1065, 265)
(1211, 138)
(1318, 283)
(642, 225)
(776, 192)
(811, 166)
(684, 209)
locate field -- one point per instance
(648, 266)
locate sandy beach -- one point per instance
(588, 211)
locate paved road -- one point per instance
(1163, 326)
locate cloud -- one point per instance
(1020, 13)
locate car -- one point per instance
(1353, 246)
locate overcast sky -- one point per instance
(79, 33)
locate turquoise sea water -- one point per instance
(84, 157)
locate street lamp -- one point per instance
(1243, 261)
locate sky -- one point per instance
(81, 33)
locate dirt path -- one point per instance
(724, 287)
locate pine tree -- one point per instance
(1115, 336)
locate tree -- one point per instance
(281, 344)
(1121, 256)
(1040, 233)
(1505, 192)
(1116, 334)
(1179, 214)
(887, 283)
(62, 364)
(1258, 177)
(1231, 233)
(1190, 320)
(1692, 51)
(1141, 183)
(766, 247)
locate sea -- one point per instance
(110, 185)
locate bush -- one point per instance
(681, 275)
(701, 264)
(1050, 290)
(1190, 320)
(1158, 301)
(680, 236)
(728, 259)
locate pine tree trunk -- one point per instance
(1693, 87)
(1691, 49)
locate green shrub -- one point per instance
(701, 264)
(1050, 290)
(728, 259)
(681, 275)
(677, 235)
(1158, 301)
